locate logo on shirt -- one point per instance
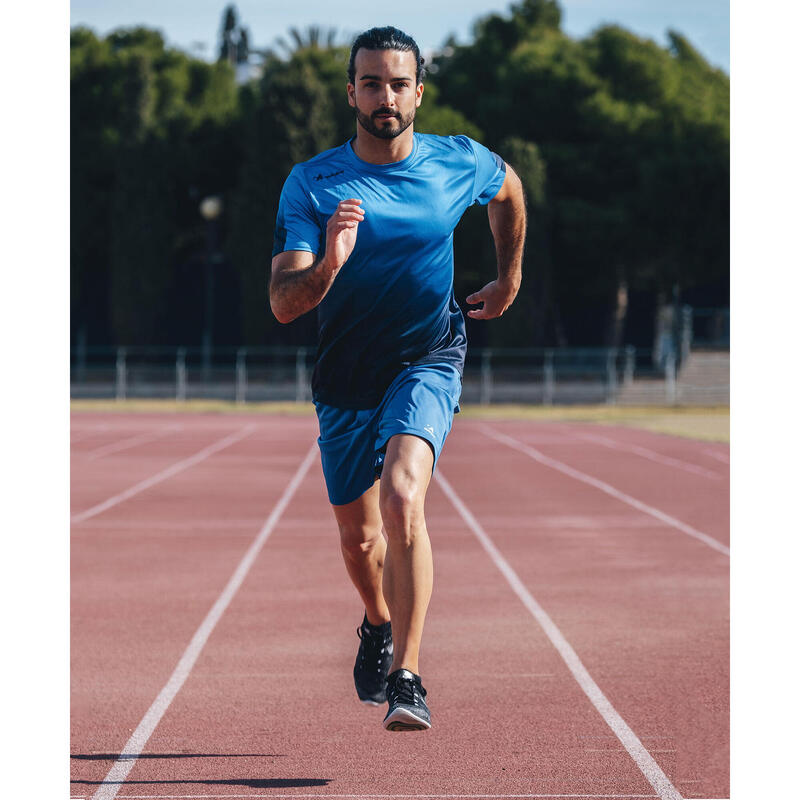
(429, 428)
(321, 177)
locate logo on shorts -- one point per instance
(429, 428)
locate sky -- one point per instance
(190, 24)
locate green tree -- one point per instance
(635, 138)
(134, 105)
(622, 146)
(228, 36)
(314, 37)
(93, 132)
(435, 117)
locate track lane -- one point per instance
(138, 740)
(130, 442)
(275, 682)
(712, 457)
(102, 479)
(707, 454)
(645, 608)
(625, 445)
(277, 669)
(703, 507)
(139, 592)
(165, 474)
(629, 740)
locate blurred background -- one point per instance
(186, 120)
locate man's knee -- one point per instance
(358, 541)
(406, 474)
(402, 505)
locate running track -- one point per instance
(576, 645)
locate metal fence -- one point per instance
(241, 375)
(711, 328)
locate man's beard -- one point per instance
(375, 126)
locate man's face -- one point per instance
(385, 95)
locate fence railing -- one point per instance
(711, 328)
(256, 374)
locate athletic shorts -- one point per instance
(421, 401)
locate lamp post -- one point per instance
(210, 209)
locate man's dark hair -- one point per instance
(387, 38)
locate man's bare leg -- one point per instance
(408, 568)
(364, 551)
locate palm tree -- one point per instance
(315, 37)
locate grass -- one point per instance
(191, 407)
(709, 424)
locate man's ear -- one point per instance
(420, 90)
(351, 94)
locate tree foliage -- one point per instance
(151, 131)
(622, 146)
(635, 141)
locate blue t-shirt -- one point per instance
(392, 302)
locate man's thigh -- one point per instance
(407, 468)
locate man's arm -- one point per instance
(508, 224)
(299, 280)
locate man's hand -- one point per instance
(299, 282)
(496, 297)
(342, 232)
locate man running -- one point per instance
(364, 234)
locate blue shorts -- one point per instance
(421, 401)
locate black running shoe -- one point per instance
(407, 709)
(372, 662)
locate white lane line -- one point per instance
(605, 487)
(723, 457)
(130, 753)
(192, 526)
(561, 523)
(645, 452)
(646, 763)
(131, 441)
(164, 474)
(79, 434)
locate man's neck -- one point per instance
(373, 150)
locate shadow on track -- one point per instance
(252, 783)
(134, 757)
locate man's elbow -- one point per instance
(283, 315)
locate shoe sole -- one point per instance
(403, 720)
(370, 702)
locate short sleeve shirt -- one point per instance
(392, 303)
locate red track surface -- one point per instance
(269, 709)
